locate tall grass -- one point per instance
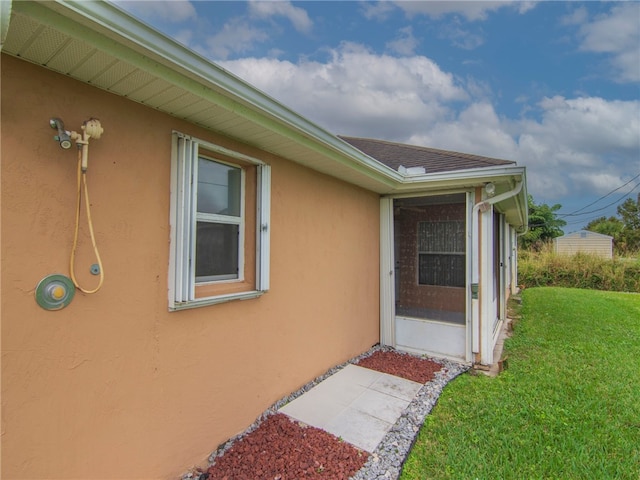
(545, 268)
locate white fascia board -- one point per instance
(119, 31)
(519, 200)
(522, 201)
(469, 178)
(472, 176)
(116, 32)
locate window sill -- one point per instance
(205, 302)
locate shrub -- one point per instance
(547, 269)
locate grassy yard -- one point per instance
(567, 407)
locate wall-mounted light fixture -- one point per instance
(490, 188)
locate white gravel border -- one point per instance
(387, 459)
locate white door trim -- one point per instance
(388, 320)
(387, 274)
(488, 304)
(468, 308)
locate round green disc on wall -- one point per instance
(55, 292)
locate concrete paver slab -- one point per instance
(341, 388)
(380, 405)
(358, 375)
(396, 386)
(356, 404)
(315, 410)
(359, 429)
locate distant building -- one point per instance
(584, 241)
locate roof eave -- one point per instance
(113, 31)
(515, 207)
(470, 177)
(104, 20)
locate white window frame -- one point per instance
(226, 219)
(183, 217)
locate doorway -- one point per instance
(430, 250)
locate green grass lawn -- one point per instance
(567, 407)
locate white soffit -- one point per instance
(99, 44)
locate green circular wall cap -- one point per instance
(55, 292)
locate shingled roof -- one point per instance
(433, 160)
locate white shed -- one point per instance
(584, 241)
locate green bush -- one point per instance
(547, 269)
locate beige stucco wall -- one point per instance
(115, 386)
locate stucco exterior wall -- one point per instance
(115, 386)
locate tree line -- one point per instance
(545, 225)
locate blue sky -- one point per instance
(554, 86)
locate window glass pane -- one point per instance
(441, 247)
(216, 250)
(443, 270)
(442, 237)
(218, 188)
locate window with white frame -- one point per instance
(219, 224)
(219, 221)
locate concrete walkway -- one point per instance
(356, 404)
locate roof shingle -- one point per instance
(433, 160)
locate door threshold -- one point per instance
(428, 353)
(430, 320)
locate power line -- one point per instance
(606, 206)
(586, 221)
(603, 197)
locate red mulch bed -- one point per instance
(281, 449)
(402, 365)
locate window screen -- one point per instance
(441, 253)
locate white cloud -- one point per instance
(478, 90)
(524, 6)
(236, 36)
(477, 130)
(583, 144)
(593, 124)
(602, 183)
(405, 44)
(173, 11)
(377, 10)
(460, 37)
(396, 98)
(579, 16)
(618, 34)
(297, 16)
(579, 145)
(471, 10)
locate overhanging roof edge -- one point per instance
(115, 29)
(471, 174)
(120, 26)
